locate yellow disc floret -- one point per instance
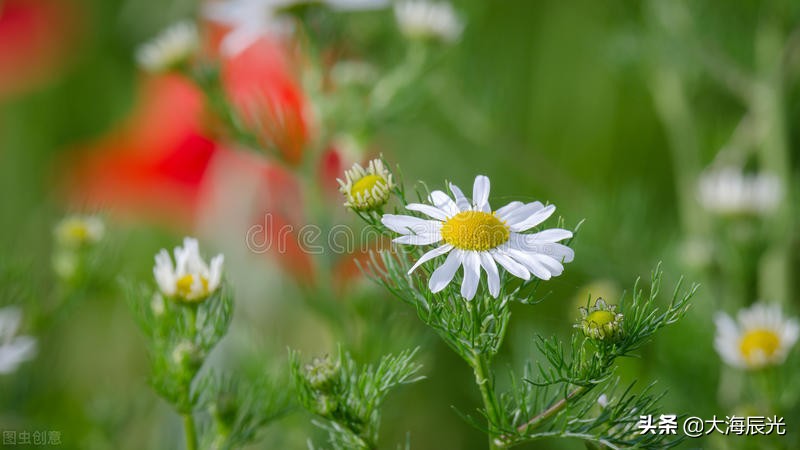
(475, 230)
(366, 184)
(601, 322)
(367, 188)
(765, 342)
(184, 287)
(601, 317)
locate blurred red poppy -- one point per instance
(262, 88)
(34, 35)
(162, 167)
(151, 167)
(331, 167)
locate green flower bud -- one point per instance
(601, 322)
(321, 373)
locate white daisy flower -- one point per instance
(475, 237)
(250, 20)
(14, 350)
(419, 19)
(762, 337)
(731, 191)
(366, 189)
(172, 47)
(190, 279)
(77, 231)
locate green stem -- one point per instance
(188, 418)
(189, 430)
(552, 410)
(485, 382)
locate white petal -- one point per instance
(461, 201)
(10, 318)
(549, 235)
(444, 202)
(726, 327)
(503, 212)
(409, 224)
(418, 239)
(791, 331)
(472, 275)
(492, 275)
(215, 276)
(554, 267)
(441, 250)
(164, 273)
(530, 263)
(532, 220)
(516, 211)
(442, 276)
(13, 353)
(559, 252)
(428, 210)
(513, 267)
(480, 193)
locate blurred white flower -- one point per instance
(762, 337)
(250, 20)
(190, 279)
(420, 19)
(366, 189)
(730, 191)
(602, 400)
(475, 236)
(14, 349)
(77, 231)
(172, 47)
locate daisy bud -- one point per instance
(325, 405)
(157, 305)
(79, 231)
(321, 373)
(187, 355)
(366, 189)
(225, 408)
(601, 322)
(420, 19)
(190, 279)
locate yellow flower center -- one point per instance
(77, 232)
(475, 230)
(600, 317)
(366, 184)
(184, 285)
(759, 340)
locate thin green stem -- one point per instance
(551, 410)
(189, 430)
(485, 382)
(188, 417)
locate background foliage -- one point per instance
(567, 102)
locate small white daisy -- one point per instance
(475, 237)
(366, 189)
(731, 191)
(250, 20)
(190, 279)
(762, 337)
(77, 231)
(172, 47)
(14, 350)
(419, 19)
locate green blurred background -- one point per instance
(604, 108)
